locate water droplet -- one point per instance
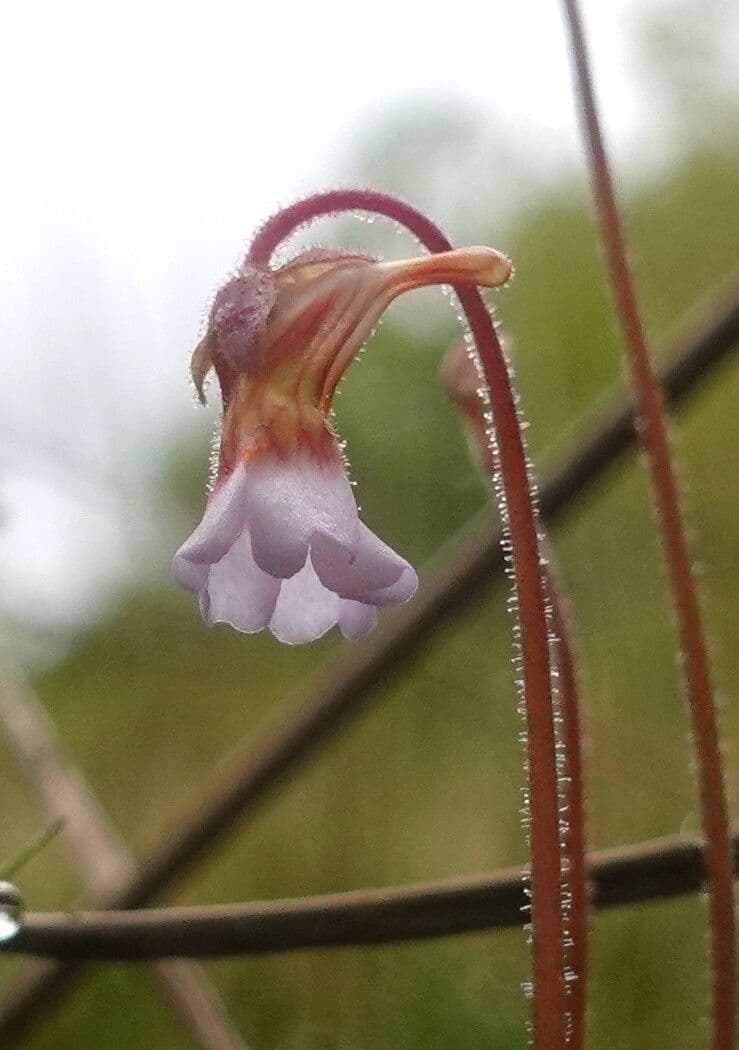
(11, 910)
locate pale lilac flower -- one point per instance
(281, 544)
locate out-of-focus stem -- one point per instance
(519, 510)
(100, 857)
(655, 439)
(649, 871)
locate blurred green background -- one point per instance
(426, 783)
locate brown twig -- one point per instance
(655, 440)
(655, 870)
(100, 856)
(341, 691)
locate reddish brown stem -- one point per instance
(460, 379)
(549, 987)
(654, 436)
(576, 876)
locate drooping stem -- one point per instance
(521, 521)
(655, 439)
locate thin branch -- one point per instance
(31, 850)
(655, 870)
(655, 440)
(100, 856)
(343, 690)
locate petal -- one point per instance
(191, 575)
(356, 619)
(374, 567)
(354, 573)
(398, 593)
(222, 523)
(305, 609)
(238, 592)
(288, 501)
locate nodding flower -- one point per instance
(281, 544)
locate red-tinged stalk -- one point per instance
(573, 853)
(460, 379)
(520, 519)
(655, 439)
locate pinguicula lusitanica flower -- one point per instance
(281, 544)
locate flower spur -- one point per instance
(281, 544)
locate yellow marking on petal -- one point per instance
(476, 266)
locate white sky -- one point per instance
(142, 143)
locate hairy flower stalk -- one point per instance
(461, 382)
(654, 435)
(520, 521)
(281, 543)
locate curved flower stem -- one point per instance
(520, 518)
(655, 439)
